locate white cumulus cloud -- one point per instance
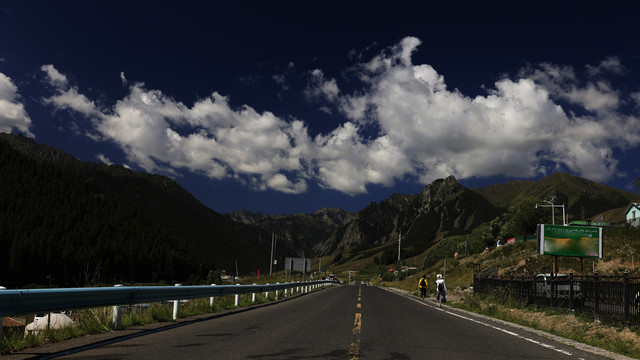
(403, 124)
(12, 112)
(518, 129)
(160, 134)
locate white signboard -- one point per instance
(298, 264)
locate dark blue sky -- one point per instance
(293, 106)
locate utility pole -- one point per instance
(445, 269)
(399, 242)
(273, 243)
(237, 276)
(290, 269)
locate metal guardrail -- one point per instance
(31, 301)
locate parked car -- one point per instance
(545, 284)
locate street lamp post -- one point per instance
(553, 206)
(553, 211)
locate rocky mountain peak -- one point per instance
(440, 190)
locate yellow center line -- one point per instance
(359, 306)
(354, 349)
(357, 324)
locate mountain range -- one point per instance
(73, 223)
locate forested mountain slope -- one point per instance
(83, 222)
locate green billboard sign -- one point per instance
(579, 241)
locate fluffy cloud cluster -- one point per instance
(160, 134)
(546, 119)
(403, 124)
(12, 112)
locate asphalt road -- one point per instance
(342, 322)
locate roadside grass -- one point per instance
(581, 328)
(99, 320)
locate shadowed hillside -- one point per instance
(86, 222)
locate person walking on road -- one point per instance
(422, 283)
(441, 291)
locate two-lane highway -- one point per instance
(342, 322)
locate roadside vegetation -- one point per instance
(583, 329)
(621, 255)
(99, 320)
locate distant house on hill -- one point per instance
(590, 223)
(633, 214)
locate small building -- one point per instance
(633, 214)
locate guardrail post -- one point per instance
(285, 292)
(116, 313)
(266, 293)
(237, 302)
(1, 318)
(212, 300)
(253, 296)
(176, 307)
(277, 292)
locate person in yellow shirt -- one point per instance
(422, 283)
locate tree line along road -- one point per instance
(341, 322)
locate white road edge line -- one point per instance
(496, 328)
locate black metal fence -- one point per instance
(613, 299)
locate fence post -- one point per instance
(212, 300)
(253, 295)
(553, 289)
(176, 306)
(237, 302)
(626, 298)
(534, 285)
(1, 318)
(596, 300)
(116, 314)
(571, 291)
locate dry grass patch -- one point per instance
(620, 340)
